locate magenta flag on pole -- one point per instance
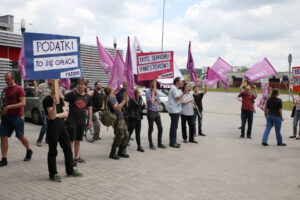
(190, 65)
(66, 83)
(218, 72)
(128, 71)
(260, 70)
(106, 60)
(117, 73)
(21, 63)
(261, 101)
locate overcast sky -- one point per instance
(242, 32)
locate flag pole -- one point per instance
(163, 24)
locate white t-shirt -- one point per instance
(174, 105)
(187, 109)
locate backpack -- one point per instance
(107, 117)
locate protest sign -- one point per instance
(296, 79)
(51, 56)
(152, 65)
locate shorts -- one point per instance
(75, 131)
(10, 124)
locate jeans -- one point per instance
(44, 128)
(295, 122)
(57, 133)
(154, 117)
(191, 122)
(199, 115)
(136, 125)
(273, 120)
(246, 115)
(173, 127)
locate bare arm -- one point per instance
(64, 114)
(52, 110)
(205, 89)
(179, 97)
(120, 105)
(91, 93)
(255, 91)
(241, 88)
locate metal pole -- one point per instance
(23, 29)
(290, 62)
(163, 24)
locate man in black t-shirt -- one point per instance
(79, 102)
(198, 112)
(98, 104)
(56, 112)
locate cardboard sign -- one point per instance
(153, 65)
(296, 79)
(51, 56)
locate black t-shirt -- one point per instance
(273, 105)
(48, 102)
(78, 105)
(198, 100)
(97, 100)
(111, 102)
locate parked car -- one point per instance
(32, 109)
(163, 107)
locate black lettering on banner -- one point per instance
(153, 67)
(296, 81)
(297, 72)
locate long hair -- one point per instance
(183, 87)
(136, 91)
(107, 91)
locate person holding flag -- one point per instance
(247, 108)
(199, 108)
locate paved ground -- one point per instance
(221, 166)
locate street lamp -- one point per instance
(290, 58)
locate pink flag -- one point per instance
(106, 60)
(218, 72)
(66, 83)
(265, 92)
(190, 65)
(260, 70)
(128, 71)
(117, 73)
(21, 63)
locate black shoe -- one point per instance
(122, 152)
(202, 134)
(114, 156)
(28, 155)
(265, 144)
(242, 136)
(175, 145)
(293, 136)
(152, 147)
(162, 146)
(3, 162)
(249, 137)
(140, 149)
(55, 178)
(282, 144)
(193, 142)
(184, 141)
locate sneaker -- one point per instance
(80, 160)
(76, 173)
(282, 144)
(39, 143)
(3, 162)
(28, 155)
(55, 178)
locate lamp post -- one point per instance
(290, 58)
(162, 31)
(23, 29)
(115, 45)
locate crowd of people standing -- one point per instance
(66, 124)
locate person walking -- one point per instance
(274, 110)
(296, 101)
(247, 108)
(187, 114)
(135, 107)
(13, 117)
(153, 115)
(97, 96)
(56, 113)
(120, 127)
(199, 108)
(42, 90)
(174, 108)
(79, 103)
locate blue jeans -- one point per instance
(44, 127)
(199, 121)
(273, 120)
(247, 115)
(173, 127)
(295, 122)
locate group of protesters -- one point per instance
(66, 124)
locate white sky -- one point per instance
(242, 32)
